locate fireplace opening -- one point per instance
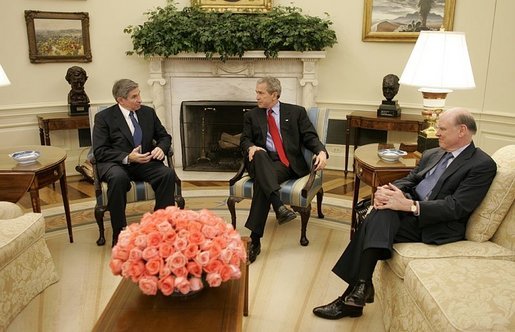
(210, 134)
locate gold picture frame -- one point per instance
(234, 5)
(393, 21)
(58, 36)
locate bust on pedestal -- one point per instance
(77, 97)
(390, 107)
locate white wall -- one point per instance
(350, 76)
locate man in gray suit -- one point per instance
(130, 143)
(272, 138)
(432, 205)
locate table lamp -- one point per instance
(3, 77)
(438, 64)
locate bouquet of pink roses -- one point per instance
(173, 250)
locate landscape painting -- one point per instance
(402, 20)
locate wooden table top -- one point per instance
(49, 156)
(367, 155)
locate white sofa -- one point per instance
(463, 286)
(26, 267)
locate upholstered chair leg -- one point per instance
(320, 197)
(305, 213)
(231, 205)
(99, 217)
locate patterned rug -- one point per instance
(335, 210)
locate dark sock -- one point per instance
(276, 201)
(255, 237)
(369, 259)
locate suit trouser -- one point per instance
(160, 177)
(268, 174)
(380, 230)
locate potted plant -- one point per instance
(170, 31)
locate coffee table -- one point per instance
(213, 309)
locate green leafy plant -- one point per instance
(169, 31)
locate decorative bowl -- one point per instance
(25, 157)
(391, 155)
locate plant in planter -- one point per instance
(169, 31)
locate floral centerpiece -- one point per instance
(178, 251)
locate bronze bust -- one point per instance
(390, 107)
(77, 97)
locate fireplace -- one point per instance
(210, 134)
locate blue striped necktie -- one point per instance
(425, 187)
(137, 135)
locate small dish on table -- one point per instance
(25, 157)
(391, 155)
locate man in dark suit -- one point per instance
(273, 134)
(432, 204)
(130, 143)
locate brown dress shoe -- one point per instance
(283, 215)
(337, 309)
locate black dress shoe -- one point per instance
(254, 251)
(283, 215)
(370, 297)
(337, 309)
(363, 292)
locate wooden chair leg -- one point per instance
(231, 205)
(180, 201)
(99, 217)
(320, 197)
(305, 213)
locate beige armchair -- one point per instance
(26, 266)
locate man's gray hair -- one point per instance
(272, 85)
(123, 87)
(463, 117)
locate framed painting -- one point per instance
(402, 20)
(234, 5)
(58, 37)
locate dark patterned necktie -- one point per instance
(137, 135)
(276, 138)
(425, 186)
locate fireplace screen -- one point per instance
(210, 134)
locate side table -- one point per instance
(375, 172)
(59, 121)
(370, 120)
(49, 168)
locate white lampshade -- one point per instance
(439, 62)
(3, 77)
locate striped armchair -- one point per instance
(298, 193)
(140, 191)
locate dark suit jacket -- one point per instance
(460, 189)
(296, 131)
(112, 138)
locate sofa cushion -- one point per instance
(485, 220)
(404, 253)
(464, 295)
(505, 235)
(9, 210)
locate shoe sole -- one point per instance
(290, 218)
(352, 314)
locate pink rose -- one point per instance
(204, 246)
(150, 252)
(194, 226)
(135, 254)
(135, 269)
(196, 237)
(165, 249)
(202, 258)
(235, 260)
(183, 285)
(225, 256)
(170, 236)
(116, 266)
(148, 285)
(209, 231)
(181, 224)
(220, 241)
(141, 241)
(196, 284)
(120, 253)
(215, 250)
(154, 238)
(214, 265)
(214, 279)
(176, 260)
(164, 227)
(208, 218)
(191, 251)
(194, 268)
(225, 272)
(124, 239)
(235, 272)
(180, 272)
(180, 243)
(166, 285)
(153, 266)
(165, 271)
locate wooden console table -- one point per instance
(49, 168)
(59, 121)
(375, 172)
(370, 120)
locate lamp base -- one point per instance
(424, 143)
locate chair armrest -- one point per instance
(311, 180)
(238, 174)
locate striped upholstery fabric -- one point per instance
(140, 191)
(290, 192)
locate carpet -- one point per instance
(82, 213)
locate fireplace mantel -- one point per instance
(193, 77)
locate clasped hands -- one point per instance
(142, 158)
(390, 197)
(320, 160)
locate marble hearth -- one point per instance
(192, 77)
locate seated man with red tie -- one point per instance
(130, 143)
(273, 135)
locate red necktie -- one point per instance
(276, 138)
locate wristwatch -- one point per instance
(414, 207)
